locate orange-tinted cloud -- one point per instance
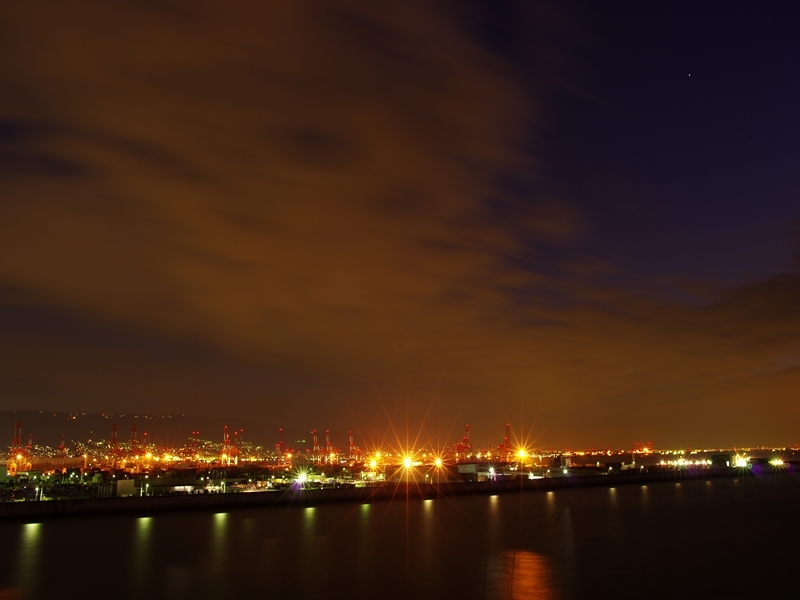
(312, 196)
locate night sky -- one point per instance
(580, 218)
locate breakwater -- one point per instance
(314, 497)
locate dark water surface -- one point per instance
(721, 538)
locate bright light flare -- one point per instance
(407, 462)
(777, 462)
(438, 462)
(740, 461)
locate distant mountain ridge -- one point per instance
(167, 430)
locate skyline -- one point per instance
(581, 219)
(41, 430)
(166, 449)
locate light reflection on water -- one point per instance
(567, 547)
(515, 573)
(309, 537)
(142, 550)
(493, 523)
(363, 534)
(29, 551)
(522, 574)
(428, 535)
(551, 503)
(217, 562)
(494, 511)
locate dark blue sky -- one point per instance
(681, 139)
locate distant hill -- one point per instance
(167, 430)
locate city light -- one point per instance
(329, 467)
(741, 461)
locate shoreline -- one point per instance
(48, 509)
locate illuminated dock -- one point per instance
(299, 495)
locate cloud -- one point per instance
(323, 198)
(244, 168)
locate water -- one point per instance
(731, 538)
